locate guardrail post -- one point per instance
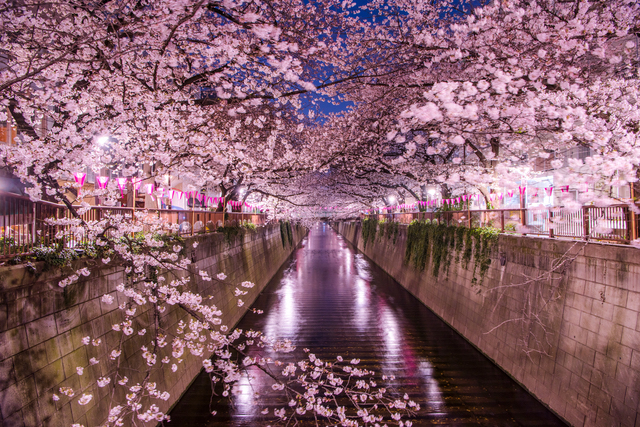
(551, 236)
(632, 225)
(33, 224)
(585, 223)
(523, 219)
(502, 221)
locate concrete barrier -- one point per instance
(42, 325)
(571, 337)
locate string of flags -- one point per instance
(471, 197)
(152, 190)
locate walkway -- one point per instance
(334, 301)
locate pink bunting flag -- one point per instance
(102, 181)
(510, 193)
(549, 190)
(564, 188)
(522, 190)
(136, 183)
(80, 177)
(500, 195)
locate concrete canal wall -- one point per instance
(41, 327)
(572, 338)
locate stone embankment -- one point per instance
(42, 325)
(571, 337)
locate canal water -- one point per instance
(334, 301)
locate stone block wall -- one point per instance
(572, 338)
(42, 325)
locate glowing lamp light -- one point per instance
(80, 177)
(102, 181)
(102, 140)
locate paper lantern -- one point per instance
(122, 184)
(150, 189)
(80, 177)
(102, 181)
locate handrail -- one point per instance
(615, 223)
(23, 224)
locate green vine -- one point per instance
(485, 237)
(392, 230)
(286, 233)
(427, 240)
(369, 228)
(468, 249)
(231, 232)
(460, 241)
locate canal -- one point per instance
(334, 301)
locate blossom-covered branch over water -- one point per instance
(226, 94)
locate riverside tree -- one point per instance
(477, 98)
(222, 93)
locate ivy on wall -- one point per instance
(438, 242)
(369, 229)
(286, 233)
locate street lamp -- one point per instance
(102, 140)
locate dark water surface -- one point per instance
(334, 301)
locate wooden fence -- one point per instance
(612, 223)
(24, 224)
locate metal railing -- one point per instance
(24, 224)
(616, 224)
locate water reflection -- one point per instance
(334, 301)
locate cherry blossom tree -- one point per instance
(224, 93)
(481, 94)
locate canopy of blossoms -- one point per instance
(228, 94)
